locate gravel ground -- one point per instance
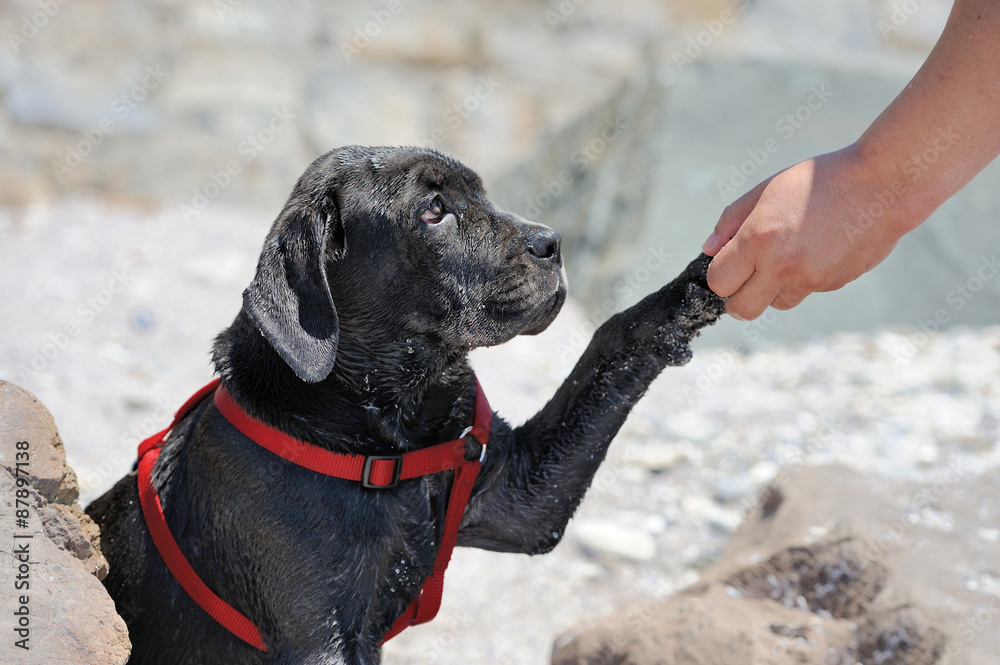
(107, 316)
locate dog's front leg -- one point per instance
(536, 475)
(283, 656)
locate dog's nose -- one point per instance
(544, 243)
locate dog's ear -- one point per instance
(289, 298)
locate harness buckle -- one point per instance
(482, 446)
(366, 472)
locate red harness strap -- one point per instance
(378, 472)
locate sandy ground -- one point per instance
(107, 315)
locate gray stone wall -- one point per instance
(197, 102)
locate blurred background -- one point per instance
(147, 146)
(628, 125)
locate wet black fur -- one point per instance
(353, 336)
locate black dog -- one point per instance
(386, 266)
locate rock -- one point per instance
(703, 625)
(606, 537)
(830, 567)
(731, 489)
(24, 417)
(655, 456)
(704, 508)
(69, 617)
(691, 426)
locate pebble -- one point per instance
(142, 319)
(607, 537)
(730, 490)
(705, 508)
(763, 472)
(928, 453)
(692, 426)
(583, 569)
(655, 456)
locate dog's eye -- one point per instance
(434, 213)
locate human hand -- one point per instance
(813, 227)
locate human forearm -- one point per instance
(944, 127)
(822, 223)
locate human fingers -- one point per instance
(752, 298)
(730, 268)
(787, 300)
(732, 219)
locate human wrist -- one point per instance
(885, 179)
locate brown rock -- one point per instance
(24, 418)
(830, 567)
(52, 601)
(705, 625)
(73, 530)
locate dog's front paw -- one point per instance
(687, 305)
(701, 306)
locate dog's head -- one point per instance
(387, 245)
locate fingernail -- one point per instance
(733, 314)
(708, 244)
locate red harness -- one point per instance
(379, 472)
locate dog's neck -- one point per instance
(382, 397)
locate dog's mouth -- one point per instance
(546, 314)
